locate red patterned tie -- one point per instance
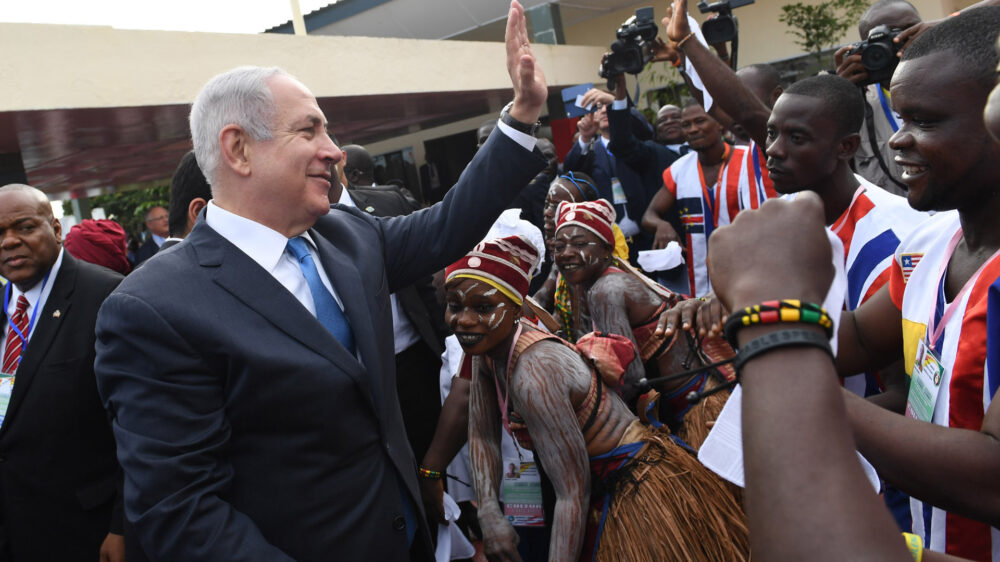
(12, 351)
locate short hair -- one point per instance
(971, 37)
(841, 100)
(357, 158)
(768, 74)
(36, 193)
(187, 185)
(241, 96)
(865, 24)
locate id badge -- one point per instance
(925, 383)
(522, 493)
(6, 388)
(618, 192)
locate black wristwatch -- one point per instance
(528, 129)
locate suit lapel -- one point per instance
(258, 290)
(47, 325)
(346, 281)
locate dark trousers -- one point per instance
(418, 384)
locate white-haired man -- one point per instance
(249, 371)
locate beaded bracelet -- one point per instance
(680, 44)
(772, 312)
(775, 340)
(430, 474)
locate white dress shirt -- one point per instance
(267, 247)
(36, 296)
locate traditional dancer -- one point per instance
(639, 495)
(622, 301)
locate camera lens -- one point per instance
(876, 57)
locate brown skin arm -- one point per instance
(739, 103)
(897, 386)
(544, 403)
(653, 222)
(804, 483)
(499, 538)
(954, 469)
(451, 433)
(617, 301)
(869, 337)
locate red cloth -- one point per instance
(102, 242)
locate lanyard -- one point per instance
(31, 321)
(938, 320)
(714, 195)
(506, 395)
(887, 110)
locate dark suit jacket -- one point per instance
(647, 158)
(600, 166)
(147, 250)
(246, 431)
(417, 300)
(59, 478)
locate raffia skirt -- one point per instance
(654, 501)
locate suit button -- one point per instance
(388, 448)
(399, 523)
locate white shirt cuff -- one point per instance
(523, 139)
(619, 104)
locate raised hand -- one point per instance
(587, 126)
(677, 24)
(526, 75)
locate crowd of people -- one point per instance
(300, 364)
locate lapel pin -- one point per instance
(56, 314)
(370, 209)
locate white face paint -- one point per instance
(503, 316)
(462, 293)
(491, 292)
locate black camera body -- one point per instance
(878, 53)
(723, 27)
(633, 47)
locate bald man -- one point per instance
(60, 480)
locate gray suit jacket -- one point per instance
(245, 430)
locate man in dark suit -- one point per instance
(59, 478)
(616, 182)
(417, 318)
(157, 232)
(253, 392)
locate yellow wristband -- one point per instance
(916, 546)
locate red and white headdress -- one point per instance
(596, 216)
(504, 263)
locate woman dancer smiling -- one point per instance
(624, 491)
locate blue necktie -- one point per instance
(327, 310)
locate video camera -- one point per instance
(633, 47)
(723, 27)
(878, 53)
